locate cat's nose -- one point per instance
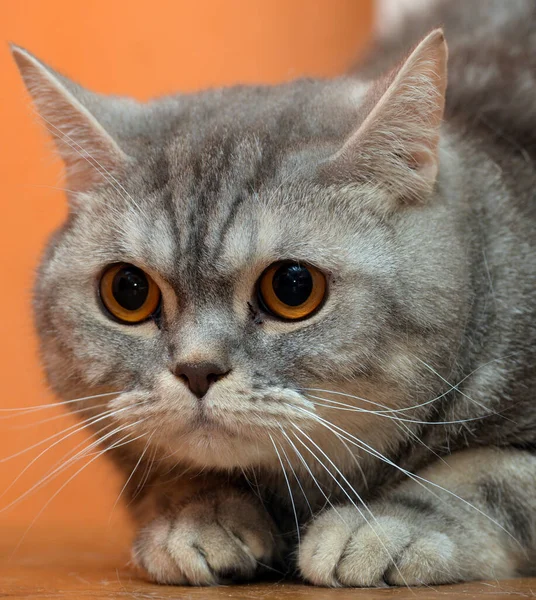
(200, 376)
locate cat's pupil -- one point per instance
(130, 288)
(292, 284)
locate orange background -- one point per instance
(143, 49)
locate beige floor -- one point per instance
(78, 564)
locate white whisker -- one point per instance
(57, 471)
(417, 478)
(82, 468)
(26, 409)
(60, 416)
(131, 475)
(304, 463)
(297, 479)
(76, 427)
(348, 407)
(91, 160)
(146, 474)
(289, 491)
(348, 495)
(62, 461)
(414, 406)
(455, 387)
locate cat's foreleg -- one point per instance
(423, 534)
(204, 533)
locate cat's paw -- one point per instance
(401, 546)
(221, 538)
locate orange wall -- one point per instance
(132, 47)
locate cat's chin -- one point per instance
(214, 447)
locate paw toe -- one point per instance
(427, 560)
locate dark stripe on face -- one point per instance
(171, 210)
(227, 224)
(209, 172)
(262, 169)
(159, 174)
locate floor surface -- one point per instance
(91, 565)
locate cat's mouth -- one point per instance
(206, 422)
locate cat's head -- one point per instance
(237, 261)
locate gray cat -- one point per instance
(302, 317)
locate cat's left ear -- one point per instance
(395, 148)
(77, 120)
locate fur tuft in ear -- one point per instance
(396, 146)
(90, 154)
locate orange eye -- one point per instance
(291, 291)
(129, 294)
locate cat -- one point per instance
(302, 317)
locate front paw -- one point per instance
(402, 545)
(220, 538)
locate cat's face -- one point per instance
(208, 214)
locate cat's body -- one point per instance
(424, 345)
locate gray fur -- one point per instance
(431, 295)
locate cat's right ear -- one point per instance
(396, 146)
(90, 153)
